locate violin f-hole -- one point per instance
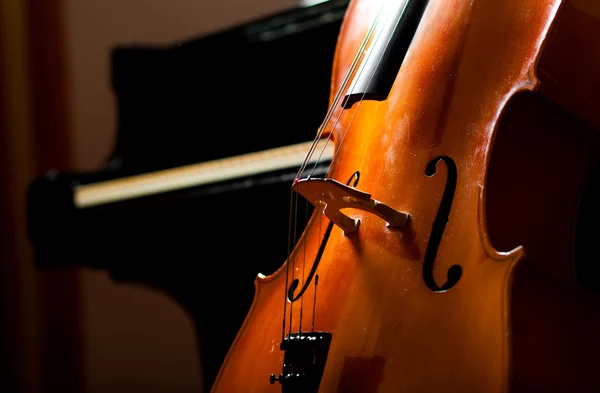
(439, 225)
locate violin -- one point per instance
(452, 245)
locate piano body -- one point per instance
(174, 206)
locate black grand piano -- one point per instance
(194, 198)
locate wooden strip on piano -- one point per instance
(199, 174)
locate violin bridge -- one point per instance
(332, 196)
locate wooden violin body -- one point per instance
(488, 139)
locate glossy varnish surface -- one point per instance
(391, 331)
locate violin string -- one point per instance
(316, 278)
(303, 268)
(362, 98)
(292, 222)
(294, 259)
(314, 314)
(337, 100)
(287, 265)
(315, 302)
(358, 75)
(339, 94)
(349, 126)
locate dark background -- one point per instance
(84, 327)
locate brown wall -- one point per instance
(20, 323)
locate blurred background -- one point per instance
(75, 329)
